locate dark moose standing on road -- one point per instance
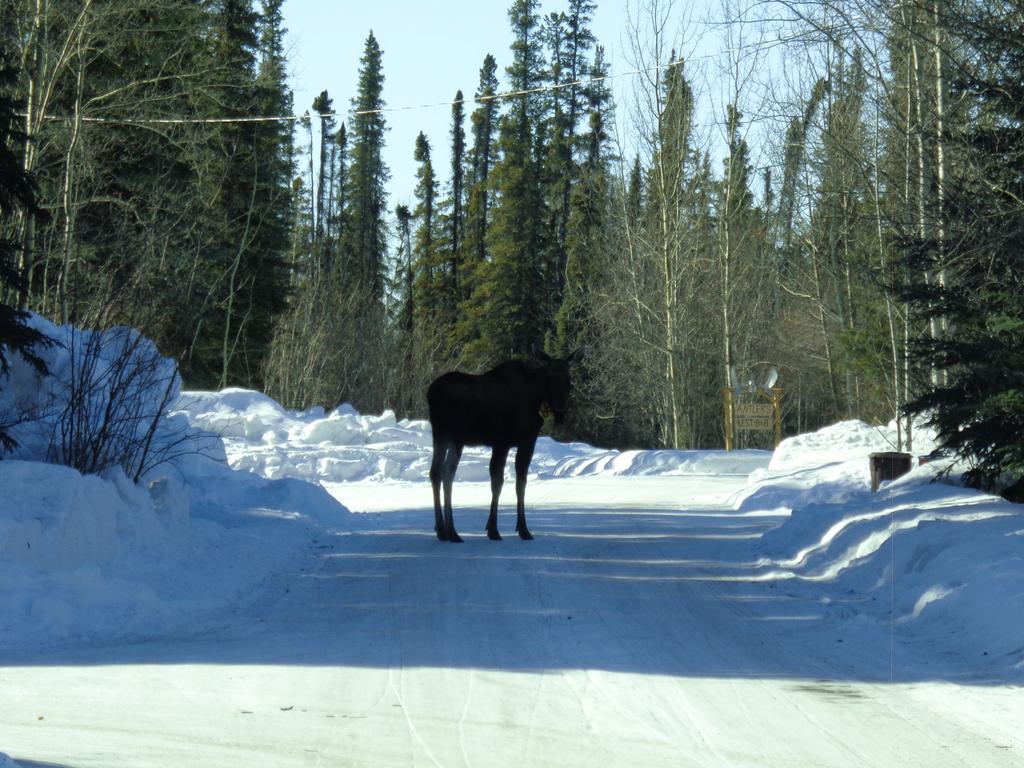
(503, 408)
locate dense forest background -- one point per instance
(872, 254)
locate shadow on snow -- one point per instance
(646, 590)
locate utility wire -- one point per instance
(307, 116)
(761, 44)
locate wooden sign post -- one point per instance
(752, 417)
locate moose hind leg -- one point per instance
(451, 463)
(498, 457)
(524, 454)
(436, 470)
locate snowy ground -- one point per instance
(676, 608)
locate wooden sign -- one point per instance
(755, 417)
(765, 416)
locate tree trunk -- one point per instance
(36, 70)
(67, 193)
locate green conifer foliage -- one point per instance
(428, 267)
(456, 219)
(364, 244)
(509, 296)
(324, 107)
(484, 122)
(977, 405)
(588, 223)
(17, 192)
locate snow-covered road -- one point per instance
(626, 634)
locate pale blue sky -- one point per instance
(431, 50)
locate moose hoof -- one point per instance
(454, 537)
(493, 535)
(525, 535)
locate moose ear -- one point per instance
(576, 356)
(537, 352)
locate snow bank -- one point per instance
(56, 518)
(930, 557)
(91, 556)
(844, 441)
(345, 446)
(113, 382)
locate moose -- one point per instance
(504, 409)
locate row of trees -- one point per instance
(857, 227)
(154, 210)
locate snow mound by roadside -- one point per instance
(346, 446)
(112, 382)
(95, 556)
(934, 559)
(89, 557)
(56, 518)
(660, 462)
(844, 441)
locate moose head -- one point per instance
(556, 384)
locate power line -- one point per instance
(412, 107)
(306, 115)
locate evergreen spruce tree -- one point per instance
(977, 407)
(570, 40)
(484, 122)
(588, 223)
(428, 266)
(587, 239)
(634, 203)
(275, 98)
(456, 219)
(558, 169)
(274, 143)
(324, 106)
(337, 221)
(404, 282)
(17, 192)
(508, 300)
(247, 194)
(365, 241)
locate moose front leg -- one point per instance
(436, 472)
(498, 457)
(451, 464)
(524, 454)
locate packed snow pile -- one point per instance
(104, 403)
(845, 441)
(95, 554)
(345, 446)
(923, 554)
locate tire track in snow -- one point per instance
(462, 720)
(660, 735)
(399, 697)
(600, 604)
(533, 720)
(539, 598)
(405, 712)
(782, 699)
(584, 709)
(673, 594)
